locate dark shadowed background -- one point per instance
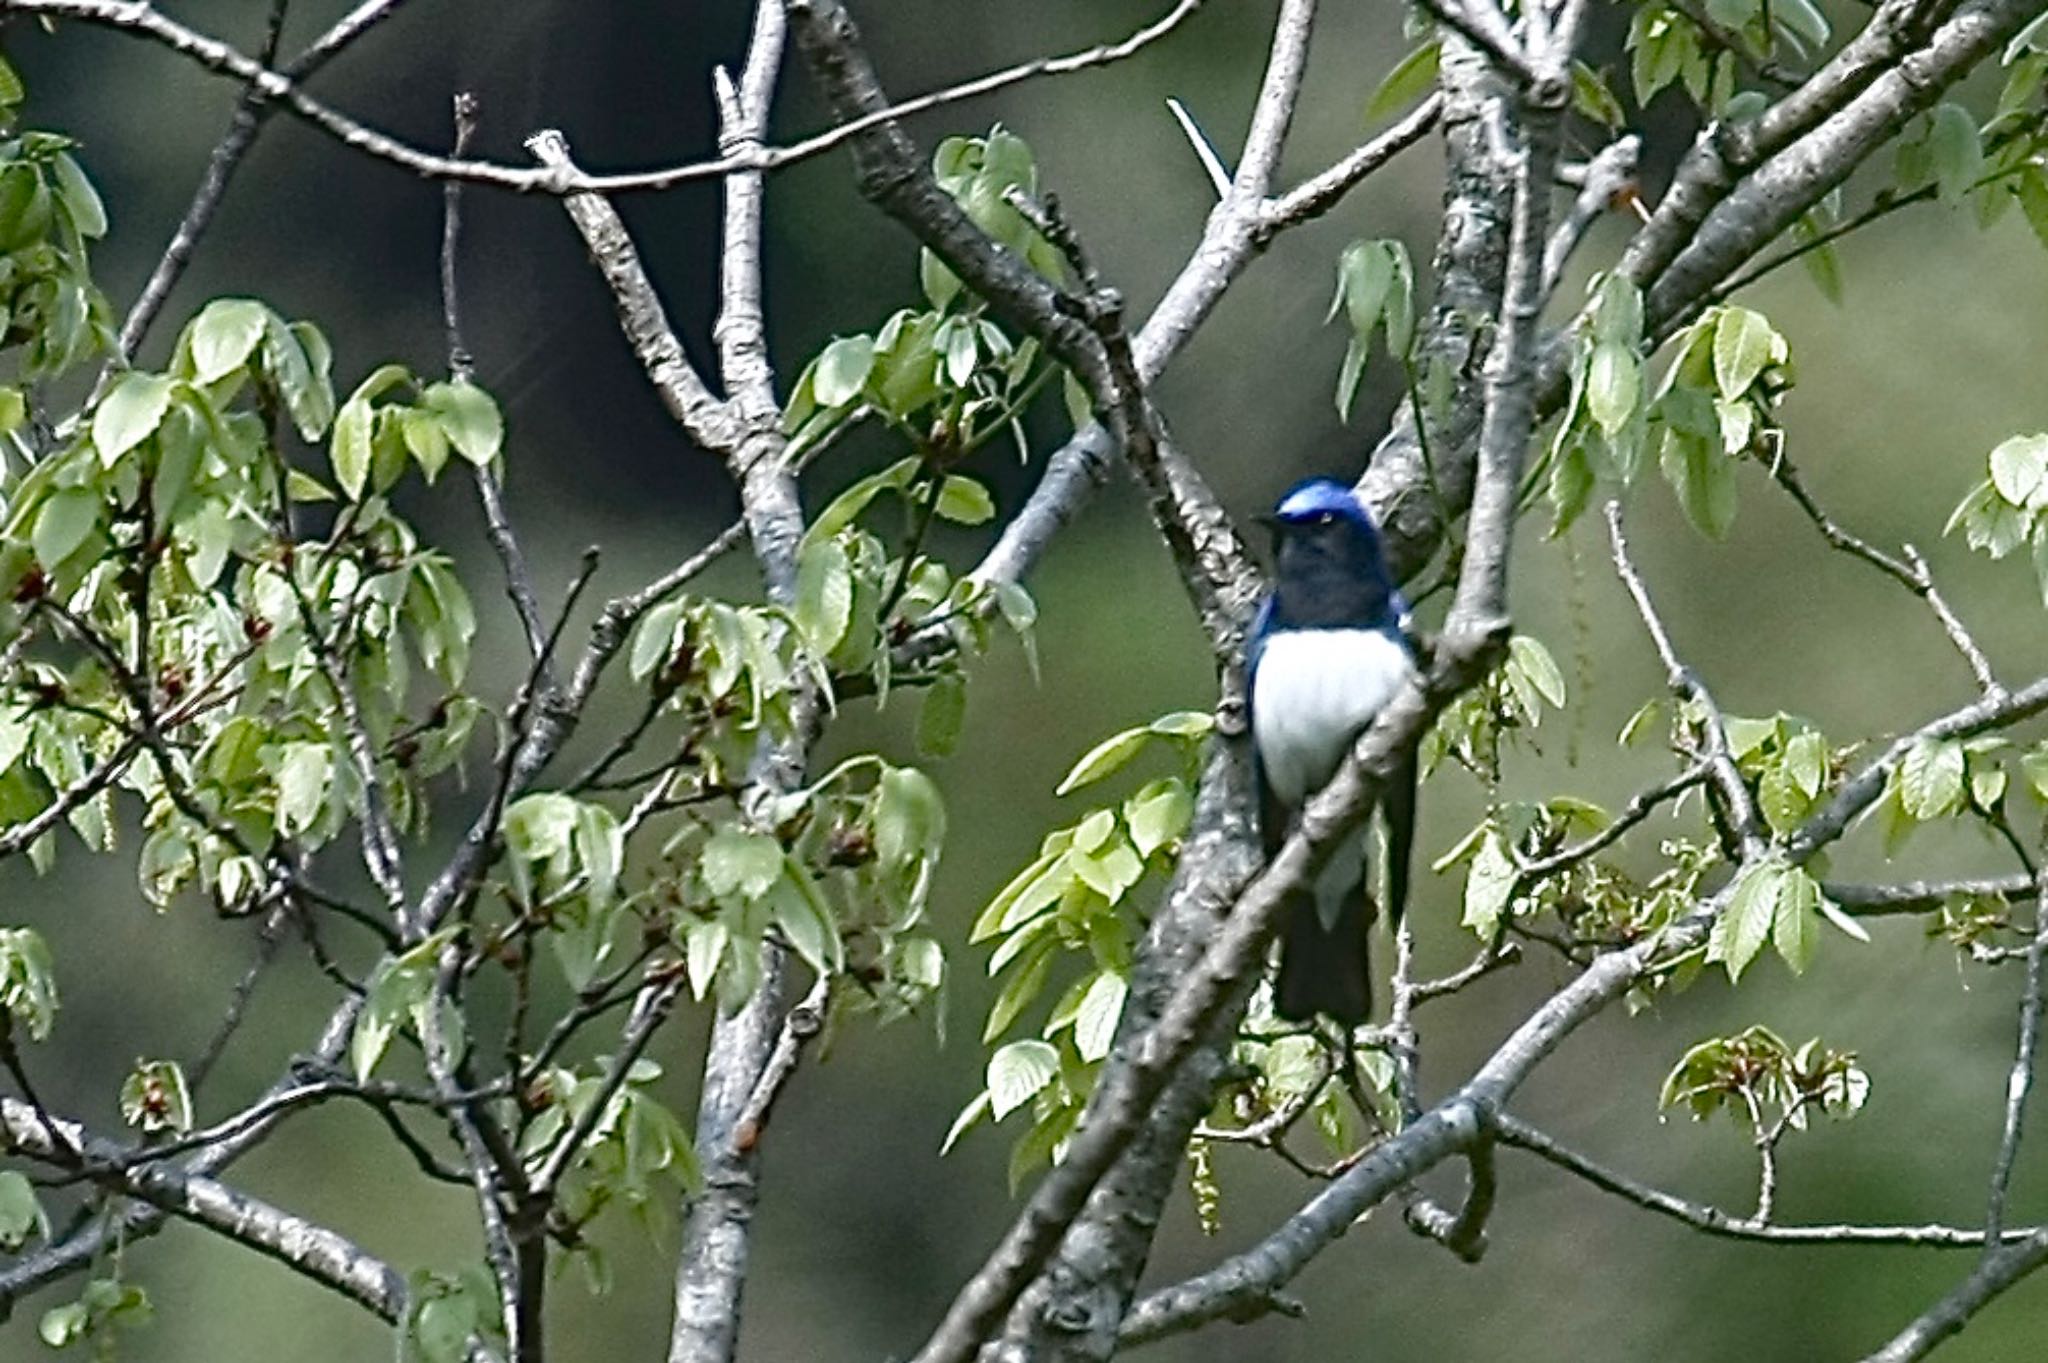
(865, 1231)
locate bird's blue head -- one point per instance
(1330, 571)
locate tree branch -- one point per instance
(282, 89)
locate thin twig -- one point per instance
(282, 89)
(1713, 1221)
(2020, 1081)
(1909, 571)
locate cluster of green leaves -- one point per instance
(447, 1311)
(1947, 778)
(1756, 1072)
(2009, 508)
(161, 535)
(1375, 292)
(1280, 1067)
(1501, 709)
(104, 1310)
(947, 377)
(856, 600)
(842, 875)
(638, 1154)
(1668, 45)
(28, 981)
(1715, 404)
(51, 314)
(1075, 906)
(1596, 901)
(1774, 901)
(376, 437)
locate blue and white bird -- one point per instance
(1328, 650)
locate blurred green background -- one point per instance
(865, 1232)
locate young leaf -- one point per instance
(1743, 342)
(842, 370)
(942, 715)
(224, 335)
(824, 595)
(1409, 81)
(1703, 478)
(1795, 919)
(1104, 759)
(964, 501)
(1746, 921)
(129, 413)
(1017, 1072)
(1095, 1020)
(470, 417)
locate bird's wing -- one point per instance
(1272, 814)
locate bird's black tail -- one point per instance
(1325, 970)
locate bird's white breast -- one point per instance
(1315, 690)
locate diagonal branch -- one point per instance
(250, 113)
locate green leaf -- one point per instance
(62, 525)
(1365, 276)
(1104, 759)
(1410, 80)
(129, 413)
(1528, 656)
(427, 438)
(223, 336)
(1489, 886)
(1022, 988)
(1074, 395)
(1614, 384)
(20, 1214)
(1743, 343)
(824, 595)
(2032, 189)
(841, 370)
(942, 715)
(842, 510)
(941, 286)
(1348, 375)
(88, 213)
(964, 501)
(1158, 814)
(1095, 1020)
(804, 918)
(1017, 1072)
(737, 861)
(1795, 919)
(1703, 478)
(703, 945)
(2019, 470)
(155, 1098)
(969, 1115)
(1183, 724)
(1739, 933)
(910, 818)
(1571, 488)
(349, 448)
(1931, 779)
(305, 771)
(1956, 151)
(470, 417)
(1593, 100)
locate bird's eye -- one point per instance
(1326, 518)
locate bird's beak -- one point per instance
(1268, 520)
